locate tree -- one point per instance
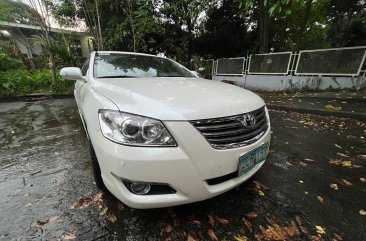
(181, 20)
(17, 12)
(347, 22)
(263, 12)
(225, 33)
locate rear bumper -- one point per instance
(185, 168)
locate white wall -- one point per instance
(288, 82)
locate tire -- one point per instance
(96, 168)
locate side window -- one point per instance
(85, 67)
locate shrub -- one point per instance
(21, 81)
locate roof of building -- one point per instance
(38, 28)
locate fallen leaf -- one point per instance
(211, 220)
(331, 107)
(259, 185)
(212, 235)
(303, 229)
(362, 156)
(248, 224)
(190, 238)
(196, 223)
(320, 199)
(112, 218)
(337, 237)
(346, 164)
(221, 220)
(260, 193)
(251, 214)
(299, 220)
(303, 164)
(342, 154)
(240, 237)
(167, 229)
(42, 222)
(53, 218)
(320, 229)
(347, 183)
(334, 186)
(338, 146)
(84, 202)
(316, 238)
(362, 179)
(362, 212)
(68, 236)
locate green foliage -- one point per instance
(16, 79)
(7, 61)
(22, 81)
(18, 12)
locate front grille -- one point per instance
(229, 132)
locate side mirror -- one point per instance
(72, 73)
(195, 73)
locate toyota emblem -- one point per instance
(248, 120)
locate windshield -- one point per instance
(119, 65)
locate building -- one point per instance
(25, 37)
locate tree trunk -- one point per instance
(132, 24)
(263, 27)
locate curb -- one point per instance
(343, 114)
(349, 100)
(35, 97)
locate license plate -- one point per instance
(250, 159)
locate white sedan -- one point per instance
(161, 136)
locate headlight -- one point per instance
(134, 130)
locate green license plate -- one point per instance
(250, 159)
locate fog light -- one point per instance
(140, 188)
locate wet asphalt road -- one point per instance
(48, 192)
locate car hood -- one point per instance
(177, 98)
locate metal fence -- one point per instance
(337, 61)
(272, 63)
(231, 66)
(333, 62)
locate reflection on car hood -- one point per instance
(177, 98)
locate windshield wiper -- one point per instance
(118, 76)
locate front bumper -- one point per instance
(185, 168)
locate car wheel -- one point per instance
(96, 168)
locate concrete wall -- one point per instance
(289, 82)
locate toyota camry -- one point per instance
(160, 135)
